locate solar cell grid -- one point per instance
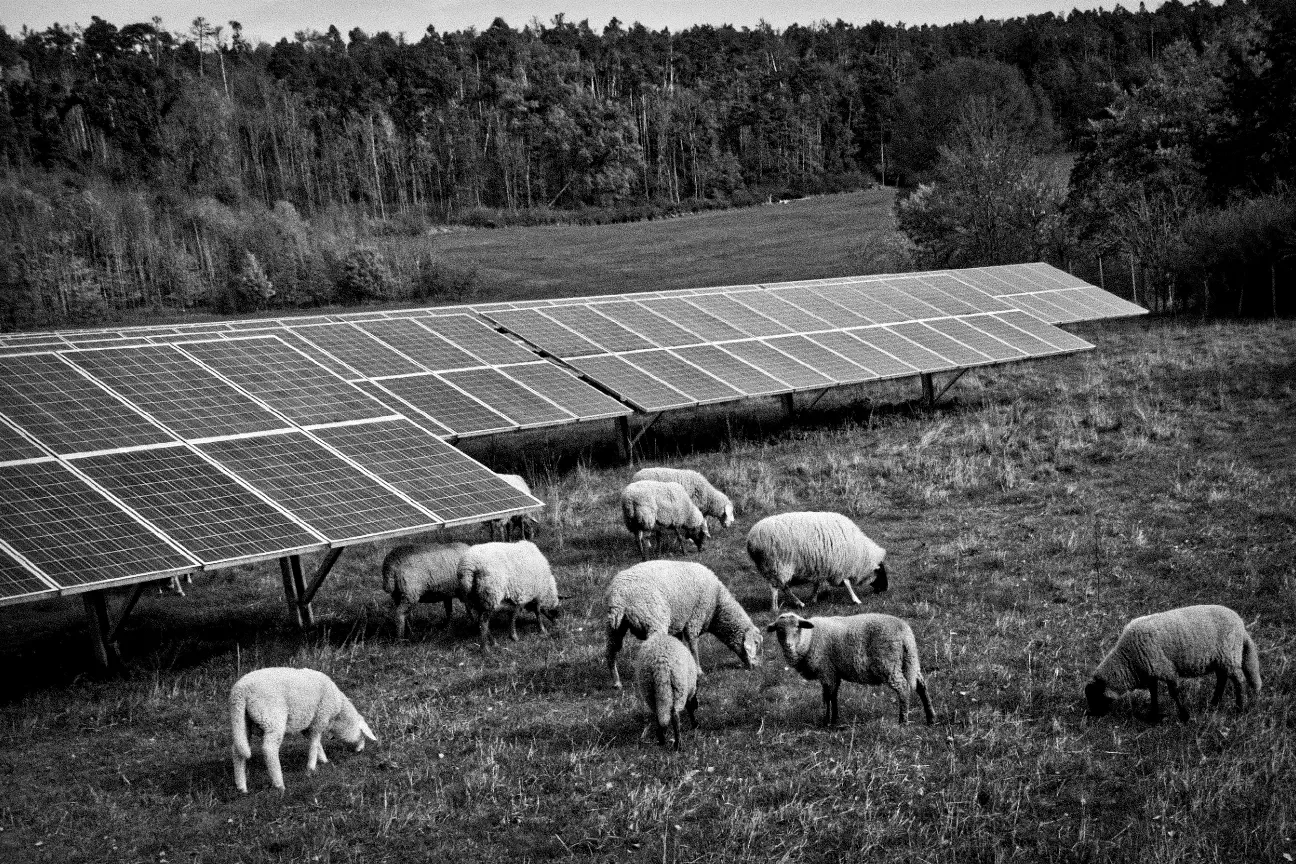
(73, 533)
(569, 392)
(14, 446)
(879, 362)
(357, 349)
(685, 314)
(1073, 302)
(599, 329)
(545, 333)
(17, 583)
(945, 304)
(835, 366)
(690, 380)
(965, 334)
(860, 304)
(287, 381)
(631, 384)
(203, 510)
(776, 364)
(909, 308)
(977, 299)
(470, 334)
(729, 368)
(177, 392)
(374, 389)
(1060, 339)
(903, 349)
(793, 318)
(65, 410)
(508, 397)
(821, 307)
(321, 489)
(1041, 308)
(951, 349)
(1004, 332)
(984, 280)
(731, 311)
(419, 344)
(451, 407)
(431, 472)
(648, 324)
(1060, 278)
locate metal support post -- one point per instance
(789, 405)
(299, 588)
(126, 610)
(290, 592)
(325, 567)
(96, 609)
(948, 384)
(625, 444)
(928, 390)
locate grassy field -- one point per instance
(1026, 520)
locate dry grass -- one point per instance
(1026, 522)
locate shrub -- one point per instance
(365, 276)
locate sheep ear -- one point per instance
(805, 625)
(771, 627)
(367, 732)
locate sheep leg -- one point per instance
(691, 706)
(692, 642)
(399, 613)
(920, 687)
(774, 598)
(851, 591)
(643, 546)
(513, 616)
(830, 703)
(270, 750)
(1156, 706)
(1221, 680)
(661, 734)
(1173, 687)
(483, 625)
(1238, 686)
(795, 599)
(319, 751)
(675, 727)
(539, 619)
(449, 607)
(240, 772)
(314, 750)
(615, 636)
(814, 596)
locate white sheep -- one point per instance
(667, 675)
(425, 573)
(1181, 643)
(282, 700)
(683, 599)
(868, 649)
(710, 500)
(494, 576)
(823, 548)
(524, 524)
(650, 506)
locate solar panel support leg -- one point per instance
(948, 384)
(789, 405)
(290, 592)
(96, 609)
(815, 401)
(625, 442)
(299, 588)
(928, 390)
(325, 567)
(126, 610)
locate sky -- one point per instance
(269, 20)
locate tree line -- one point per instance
(145, 167)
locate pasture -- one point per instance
(1026, 520)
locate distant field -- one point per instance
(1026, 521)
(811, 238)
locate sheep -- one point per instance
(651, 505)
(282, 700)
(525, 524)
(1180, 643)
(710, 500)
(421, 574)
(823, 548)
(680, 598)
(493, 576)
(868, 649)
(667, 675)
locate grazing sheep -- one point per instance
(868, 649)
(1181, 643)
(683, 599)
(282, 700)
(494, 576)
(173, 584)
(525, 524)
(427, 573)
(710, 500)
(651, 506)
(667, 676)
(823, 548)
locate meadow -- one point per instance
(1027, 518)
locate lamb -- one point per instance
(868, 649)
(683, 599)
(493, 576)
(282, 700)
(651, 506)
(1180, 643)
(525, 524)
(710, 500)
(667, 676)
(823, 548)
(421, 574)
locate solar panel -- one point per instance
(821, 307)
(475, 337)
(943, 303)
(648, 324)
(730, 310)
(1059, 339)
(909, 307)
(950, 349)
(865, 307)
(776, 364)
(631, 384)
(566, 390)
(202, 509)
(429, 471)
(965, 334)
(902, 349)
(690, 380)
(73, 533)
(177, 392)
(508, 397)
(14, 446)
(979, 301)
(692, 318)
(66, 411)
(451, 407)
(835, 366)
(287, 381)
(18, 584)
(599, 329)
(374, 389)
(357, 349)
(419, 344)
(332, 496)
(1004, 332)
(732, 370)
(311, 350)
(544, 333)
(878, 362)
(793, 318)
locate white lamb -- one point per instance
(683, 599)
(667, 675)
(710, 500)
(868, 649)
(524, 524)
(650, 506)
(282, 700)
(1181, 643)
(823, 548)
(426, 573)
(494, 576)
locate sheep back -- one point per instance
(872, 648)
(791, 548)
(1179, 643)
(710, 500)
(647, 505)
(492, 575)
(425, 572)
(666, 676)
(663, 596)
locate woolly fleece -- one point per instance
(710, 500)
(494, 576)
(426, 573)
(818, 547)
(667, 676)
(651, 506)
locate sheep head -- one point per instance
(753, 647)
(351, 727)
(1098, 702)
(880, 578)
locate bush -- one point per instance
(364, 276)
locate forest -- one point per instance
(146, 170)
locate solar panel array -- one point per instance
(124, 464)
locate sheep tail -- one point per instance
(1250, 663)
(238, 724)
(665, 691)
